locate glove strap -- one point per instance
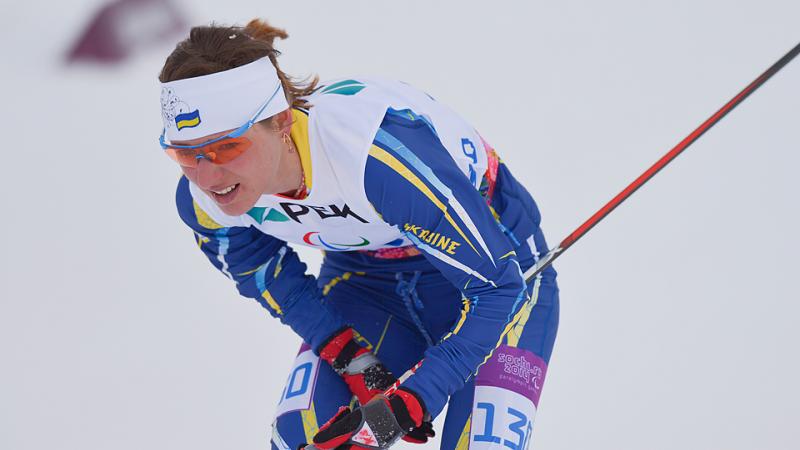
(360, 363)
(380, 429)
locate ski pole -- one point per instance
(660, 164)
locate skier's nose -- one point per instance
(208, 174)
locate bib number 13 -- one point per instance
(512, 424)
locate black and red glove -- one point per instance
(363, 372)
(365, 375)
(374, 426)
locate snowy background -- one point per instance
(679, 312)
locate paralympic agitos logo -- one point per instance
(295, 211)
(312, 236)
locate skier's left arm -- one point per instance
(414, 183)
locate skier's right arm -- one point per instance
(264, 268)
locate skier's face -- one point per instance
(262, 169)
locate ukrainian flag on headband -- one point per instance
(188, 120)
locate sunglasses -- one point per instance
(220, 150)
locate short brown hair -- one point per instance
(211, 49)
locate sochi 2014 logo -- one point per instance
(521, 367)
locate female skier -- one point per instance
(425, 233)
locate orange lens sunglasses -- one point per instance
(217, 152)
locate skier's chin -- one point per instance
(233, 210)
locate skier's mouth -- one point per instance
(226, 195)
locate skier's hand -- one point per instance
(376, 425)
(365, 375)
(363, 372)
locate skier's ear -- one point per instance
(282, 122)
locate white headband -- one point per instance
(204, 105)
